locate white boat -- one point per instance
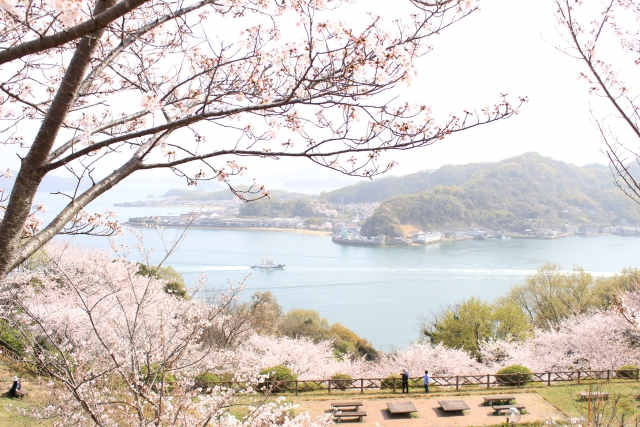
(424, 238)
(268, 264)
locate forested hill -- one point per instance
(508, 194)
(387, 187)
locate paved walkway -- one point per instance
(430, 414)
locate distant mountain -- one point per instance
(226, 194)
(50, 184)
(381, 189)
(509, 195)
(315, 185)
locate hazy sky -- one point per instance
(508, 47)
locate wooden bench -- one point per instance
(500, 408)
(354, 406)
(339, 415)
(396, 408)
(584, 395)
(453, 405)
(498, 397)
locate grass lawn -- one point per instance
(9, 416)
(623, 399)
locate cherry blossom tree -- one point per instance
(590, 30)
(102, 89)
(595, 340)
(118, 349)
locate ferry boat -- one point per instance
(426, 238)
(348, 237)
(268, 264)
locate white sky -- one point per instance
(506, 48)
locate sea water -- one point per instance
(379, 292)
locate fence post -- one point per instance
(608, 375)
(578, 376)
(519, 378)
(457, 382)
(329, 387)
(394, 384)
(488, 380)
(296, 387)
(637, 371)
(548, 378)
(361, 385)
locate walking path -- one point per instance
(429, 412)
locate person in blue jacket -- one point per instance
(427, 380)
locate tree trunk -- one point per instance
(33, 167)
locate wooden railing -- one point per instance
(12, 358)
(450, 382)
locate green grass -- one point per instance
(9, 415)
(623, 398)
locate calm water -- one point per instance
(377, 292)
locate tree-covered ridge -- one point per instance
(391, 186)
(510, 195)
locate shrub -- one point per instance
(9, 338)
(311, 386)
(278, 378)
(388, 382)
(626, 371)
(156, 376)
(514, 375)
(205, 379)
(341, 381)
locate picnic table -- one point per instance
(453, 405)
(352, 412)
(396, 408)
(584, 395)
(498, 397)
(355, 406)
(500, 408)
(339, 415)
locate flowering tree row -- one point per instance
(597, 340)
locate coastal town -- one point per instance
(346, 229)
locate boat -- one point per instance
(350, 237)
(398, 241)
(268, 264)
(426, 238)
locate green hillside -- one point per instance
(385, 188)
(508, 194)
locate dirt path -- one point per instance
(429, 412)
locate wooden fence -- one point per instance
(450, 382)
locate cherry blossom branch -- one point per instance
(96, 23)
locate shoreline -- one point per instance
(330, 233)
(281, 230)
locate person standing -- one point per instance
(405, 381)
(427, 380)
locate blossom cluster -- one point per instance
(117, 347)
(598, 340)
